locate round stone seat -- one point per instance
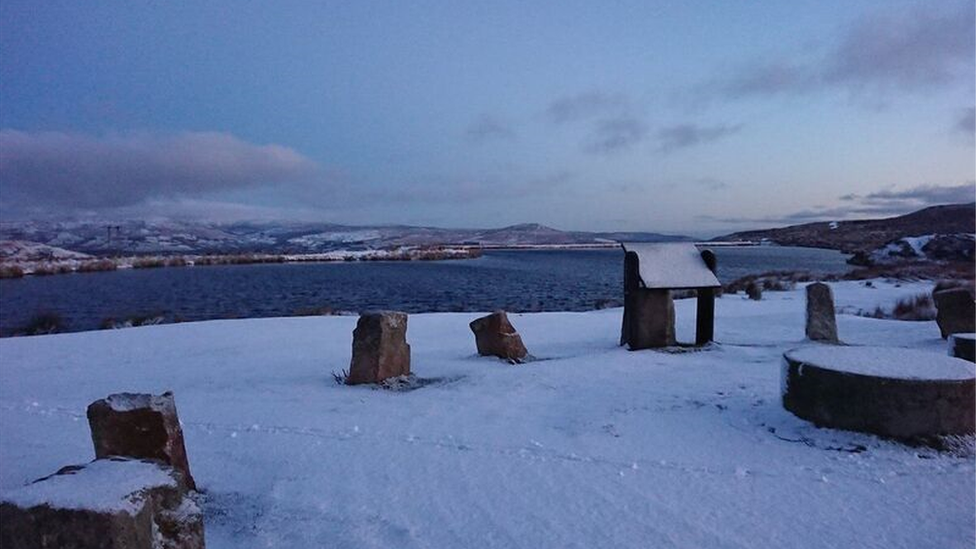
(891, 392)
(963, 346)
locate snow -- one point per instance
(672, 265)
(126, 402)
(589, 446)
(102, 485)
(885, 362)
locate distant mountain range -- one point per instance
(176, 237)
(938, 232)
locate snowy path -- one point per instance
(592, 447)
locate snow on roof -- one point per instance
(892, 362)
(103, 485)
(672, 265)
(126, 402)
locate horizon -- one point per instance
(691, 119)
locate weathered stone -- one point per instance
(140, 426)
(652, 324)
(821, 319)
(754, 291)
(109, 503)
(495, 336)
(963, 346)
(956, 311)
(379, 348)
(899, 393)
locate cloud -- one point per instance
(915, 197)
(688, 135)
(884, 203)
(710, 183)
(587, 105)
(487, 128)
(966, 123)
(75, 171)
(616, 134)
(611, 121)
(910, 50)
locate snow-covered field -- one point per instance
(590, 446)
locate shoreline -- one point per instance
(22, 268)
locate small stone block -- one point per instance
(109, 503)
(821, 318)
(495, 336)
(379, 348)
(956, 311)
(140, 426)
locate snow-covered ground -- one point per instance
(590, 446)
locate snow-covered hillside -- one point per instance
(186, 237)
(589, 446)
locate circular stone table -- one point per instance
(963, 346)
(897, 393)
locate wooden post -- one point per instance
(631, 285)
(705, 327)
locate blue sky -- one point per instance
(694, 117)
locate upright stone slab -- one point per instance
(821, 319)
(963, 346)
(140, 426)
(495, 336)
(379, 348)
(652, 322)
(956, 311)
(754, 291)
(108, 503)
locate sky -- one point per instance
(694, 117)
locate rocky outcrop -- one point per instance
(495, 336)
(821, 318)
(108, 503)
(956, 311)
(140, 426)
(379, 348)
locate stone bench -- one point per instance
(898, 393)
(108, 503)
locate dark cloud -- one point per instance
(587, 105)
(689, 135)
(61, 171)
(616, 134)
(710, 183)
(487, 128)
(883, 203)
(966, 123)
(909, 50)
(611, 121)
(915, 197)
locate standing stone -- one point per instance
(108, 503)
(821, 319)
(754, 291)
(140, 426)
(495, 336)
(379, 348)
(652, 319)
(956, 311)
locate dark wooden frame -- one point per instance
(705, 318)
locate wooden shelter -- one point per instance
(651, 271)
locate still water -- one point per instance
(537, 280)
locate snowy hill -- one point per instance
(22, 250)
(176, 237)
(864, 237)
(592, 446)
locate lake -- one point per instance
(523, 280)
